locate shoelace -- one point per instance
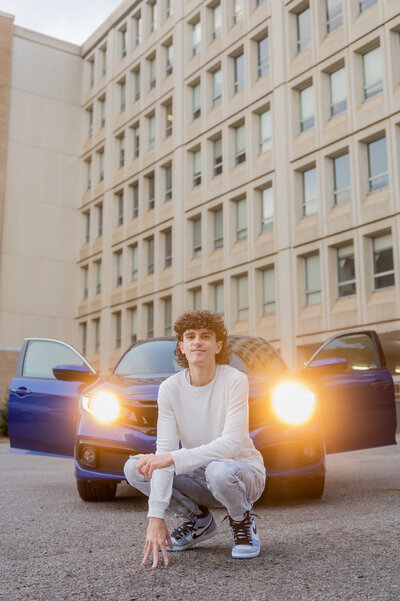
(183, 529)
(241, 530)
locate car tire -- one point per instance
(310, 487)
(96, 491)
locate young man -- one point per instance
(205, 409)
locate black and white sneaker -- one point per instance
(192, 532)
(245, 536)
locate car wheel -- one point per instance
(96, 491)
(311, 487)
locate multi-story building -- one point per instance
(238, 156)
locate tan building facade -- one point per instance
(237, 156)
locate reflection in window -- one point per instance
(341, 179)
(303, 30)
(312, 280)
(306, 108)
(378, 176)
(268, 284)
(346, 271)
(242, 298)
(310, 192)
(357, 349)
(42, 355)
(338, 91)
(372, 72)
(383, 261)
(334, 15)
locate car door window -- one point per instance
(358, 349)
(42, 355)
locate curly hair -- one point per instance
(199, 320)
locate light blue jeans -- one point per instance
(235, 485)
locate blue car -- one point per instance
(343, 399)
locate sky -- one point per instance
(70, 20)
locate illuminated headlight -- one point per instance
(104, 406)
(293, 402)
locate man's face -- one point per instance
(200, 347)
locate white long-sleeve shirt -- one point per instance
(210, 422)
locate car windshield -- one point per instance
(154, 358)
(147, 359)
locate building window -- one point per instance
(88, 174)
(167, 316)
(120, 208)
(196, 225)
(134, 262)
(104, 61)
(303, 22)
(152, 72)
(217, 157)
(118, 329)
(196, 101)
(136, 142)
(264, 131)
(152, 131)
(238, 73)
(169, 9)
(267, 209)
(216, 88)
(121, 151)
(241, 219)
(136, 76)
(216, 21)
(98, 277)
(218, 228)
(122, 96)
(378, 175)
(100, 219)
(118, 258)
(312, 280)
(238, 11)
(341, 179)
(169, 66)
(91, 73)
(262, 57)
(138, 29)
(168, 183)
(196, 168)
(87, 227)
(338, 91)
(306, 97)
(168, 120)
(150, 255)
(153, 16)
(240, 144)
(196, 38)
(90, 122)
(135, 200)
(310, 192)
(96, 323)
(133, 322)
(84, 337)
(372, 73)
(383, 261)
(196, 299)
(346, 270)
(102, 112)
(123, 42)
(101, 165)
(242, 298)
(150, 319)
(219, 298)
(85, 274)
(364, 5)
(150, 192)
(168, 248)
(268, 284)
(334, 15)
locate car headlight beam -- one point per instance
(103, 405)
(293, 402)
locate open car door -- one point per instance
(355, 392)
(43, 411)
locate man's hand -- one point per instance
(148, 463)
(157, 534)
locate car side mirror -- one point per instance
(326, 366)
(74, 373)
